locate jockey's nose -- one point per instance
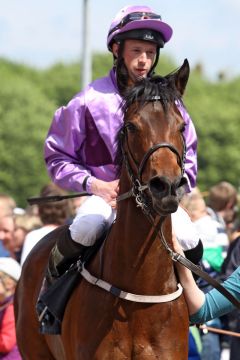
(143, 57)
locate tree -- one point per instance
(25, 115)
(214, 108)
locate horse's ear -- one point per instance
(181, 77)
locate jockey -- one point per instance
(81, 146)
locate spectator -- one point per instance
(222, 203)
(7, 227)
(214, 241)
(9, 274)
(24, 223)
(52, 215)
(7, 205)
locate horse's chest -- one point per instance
(122, 345)
(146, 335)
(131, 347)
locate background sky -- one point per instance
(40, 33)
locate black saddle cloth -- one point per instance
(52, 301)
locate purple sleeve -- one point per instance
(191, 149)
(63, 147)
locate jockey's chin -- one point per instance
(138, 75)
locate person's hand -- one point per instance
(106, 190)
(176, 246)
(182, 271)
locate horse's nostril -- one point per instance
(159, 184)
(182, 182)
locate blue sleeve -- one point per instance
(216, 304)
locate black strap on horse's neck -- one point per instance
(191, 266)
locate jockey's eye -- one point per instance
(131, 127)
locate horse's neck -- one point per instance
(138, 237)
(134, 253)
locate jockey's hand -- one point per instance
(106, 190)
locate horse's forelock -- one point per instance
(149, 89)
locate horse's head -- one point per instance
(152, 142)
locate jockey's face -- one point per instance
(138, 57)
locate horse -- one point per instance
(150, 319)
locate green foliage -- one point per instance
(25, 115)
(102, 63)
(60, 82)
(165, 66)
(29, 98)
(214, 108)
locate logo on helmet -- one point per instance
(148, 37)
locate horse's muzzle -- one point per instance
(166, 194)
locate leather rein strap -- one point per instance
(194, 268)
(191, 266)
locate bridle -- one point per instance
(138, 187)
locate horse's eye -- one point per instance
(131, 127)
(182, 127)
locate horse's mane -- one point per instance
(153, 88)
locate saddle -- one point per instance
(52, 302)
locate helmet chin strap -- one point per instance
(151, 72)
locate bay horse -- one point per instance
(147, 322)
